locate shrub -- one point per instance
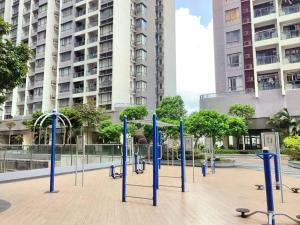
(292, 147)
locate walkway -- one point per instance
(209, 201)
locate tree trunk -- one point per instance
(244, 146)
(9, 136)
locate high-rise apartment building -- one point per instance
(257, 57)
(104, 52)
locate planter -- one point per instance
(294, 164)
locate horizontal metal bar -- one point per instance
(170, 177)
(128, 196)
(161, 185)
(139, 185)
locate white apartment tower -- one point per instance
(103, 52)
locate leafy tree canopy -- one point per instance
(243, 111)
(13, 61)
(207, 123)
(73, 115)
(110, 132)
(236, 126)
(171, 108)
(30, 122)
(134, 112)
(91, 116)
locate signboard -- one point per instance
(188, 143)
(79, 143)
(270, 141)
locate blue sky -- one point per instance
(194, 51)
(201, 8)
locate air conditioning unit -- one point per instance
(247, 43)
(247, 56)
(52, 97)
(249, 67)
(54, 68)
(246, 20)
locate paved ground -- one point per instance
(209, 201)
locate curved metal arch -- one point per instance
(38, 119)
(65, 117)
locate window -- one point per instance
(38, 91)
(293, 79)
(42, 22)
(41, 35)
(65, 41)
(233, 36)
(43, 8)
(141, 23)
(232, 15)
(66, 26)
(106, 63)
(235, 83)
(141, 39)
(141, 70)
(40, 49)
(141, 54)
(64, 87)
(64, 72)
(234, 59)
(66, 56)
(39, 63)
(106, 46)
(105, 30)
(268, 81)
(67, 12)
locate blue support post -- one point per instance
(203, 168)
(53, 143)
(135, 162)
(154, 158)
(124, 166)
(276, 168)
(266, 156)
(182, 156)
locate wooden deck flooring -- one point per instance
(209, 201)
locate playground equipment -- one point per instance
(114, 174)
(139, 167)
(209, 149)
(245, 213)
(80, 147)
(54, 115)
(155, 165)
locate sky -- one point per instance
(194, 46)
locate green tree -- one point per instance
(19, 139)
(284, 123)
(13, 61)
(109, 133)
(236, 126)
(207, 123)
(91, 117)
(171, 108)
(138, 112)
(243, 111)
(292, 147)
(10, 124)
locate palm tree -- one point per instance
(285, 123)
(10, 124)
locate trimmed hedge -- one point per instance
(292, 147)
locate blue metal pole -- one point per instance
(124, 166)
(203, 168)
(154, 158)
(268, 182)
(53, 143)
(276, 168)
(135, 162)
(182, 156)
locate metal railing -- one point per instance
(29, 157)
(295, 58)
(265, 34)
(286, 10)
(264, 11)
(267, 59)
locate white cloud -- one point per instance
(195, 58)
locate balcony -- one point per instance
(78, 90)
(268, 82)
(91, 88)
(79, 58)
(265, 34)
(267, 59)
(79, 28)
(92, 39)
(264, 11)
(79, 43)
(92, 71)
(105, 84)
(78, 74)
(80, 13)
(92, 55)
(93, 24)
(290, 34)
(295, 58)
(290, 9)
